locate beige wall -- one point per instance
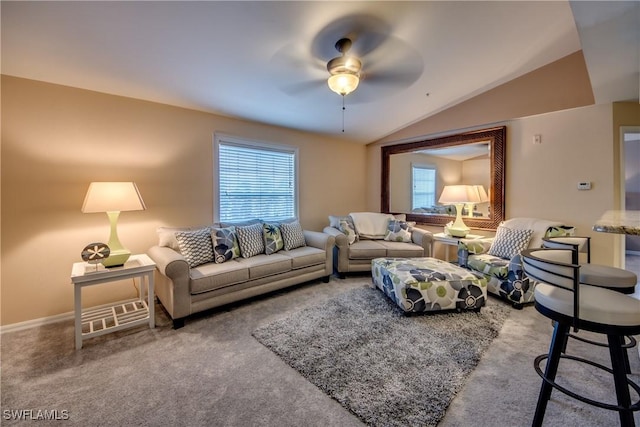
(541, 180)
(56, 140)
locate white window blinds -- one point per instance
(256, 181)
(424, 187)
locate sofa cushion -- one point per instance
(265, 265)
(398, 231)
(272, 238)
(367, 249)
(195, 246)
(306, 256)
(211, 276)
(292, 235)
(509, 242)
(402, 250)
(225, 244)
(489, 265)
(250, 240)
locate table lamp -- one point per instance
(113, 198)
(458, 195)
(482, 196)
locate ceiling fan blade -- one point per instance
(303, 87)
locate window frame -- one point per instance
(225, 139)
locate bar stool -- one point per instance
(561, 297)
(616, 279)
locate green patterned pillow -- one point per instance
(398, 231)
(225, 244)
(560, 231)
(272, 238)
(349, 229)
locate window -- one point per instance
(423, 186)
(254, 180)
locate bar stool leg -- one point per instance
(558, 344)
(619, 366)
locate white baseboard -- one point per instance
(634, 253)
(34, 323)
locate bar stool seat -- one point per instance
(608, 277)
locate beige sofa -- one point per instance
(373, 240)
(185, 290)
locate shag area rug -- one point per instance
(387, 368)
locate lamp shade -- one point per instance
(454, 194)
(482, 193)
(112, 197)
(343, 83)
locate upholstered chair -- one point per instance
(497, 259)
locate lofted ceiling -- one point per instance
(266, 61)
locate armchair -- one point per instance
(498, 258)
(363, 236)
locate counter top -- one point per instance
(619, 222)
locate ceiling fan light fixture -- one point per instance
(343, 83)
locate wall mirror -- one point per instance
(415, 173)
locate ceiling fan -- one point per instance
(371, 59)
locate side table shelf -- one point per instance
(99, 321)
(93, 322)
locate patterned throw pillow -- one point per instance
(509, 242)
(398, 231)
(292, 235)
(560, 231)
(225, 244)
(349, 229)
(272, 238)
(250, 240)
(195, 246)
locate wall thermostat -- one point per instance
(584, 186)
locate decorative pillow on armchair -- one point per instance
(225, 244)
(509, 242)
(398, 231)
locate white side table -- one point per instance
(106, 319)
(445, 239)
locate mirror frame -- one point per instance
(498, 138)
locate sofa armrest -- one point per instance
(341, 239)
(169, 262)
(319, 240)
(423, 238)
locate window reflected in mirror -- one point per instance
(418, 178)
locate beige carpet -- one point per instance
(213, 372)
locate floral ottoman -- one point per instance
(428, 284)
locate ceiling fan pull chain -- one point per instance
(343, 113)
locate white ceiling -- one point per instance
(265, 61)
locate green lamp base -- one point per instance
(116, 258)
